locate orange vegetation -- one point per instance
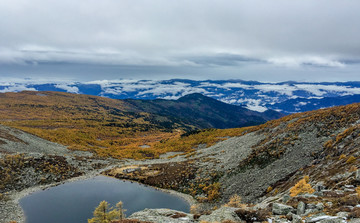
(108, 127)
(301, 187)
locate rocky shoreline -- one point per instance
(10, 209)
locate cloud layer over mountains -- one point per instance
(256, 96)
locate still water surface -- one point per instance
(75, 202)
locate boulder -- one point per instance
(281, 209)
(221, 214)
(319, 187)
(301, 208)
(285, 198)
(343, 214)
(296, 219)
(320, 206)
(324, 219)
(162, 216)
(357, 175)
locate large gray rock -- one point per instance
(281, 209)
(320, 206)
(221, 214)
(324, 219)
(296, 219)
(357, 175)
(319, 186)
(162, 216)
(343, 214)
(301, 208)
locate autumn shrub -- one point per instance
(212, 191)
(235, 202)
(342, 156)
(301, 187)
(351, 159)
(269, 189)
(307, 179)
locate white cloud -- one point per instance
(254, 105)
(17, 88)
(320, 90)
(282, 89)
(68, 88)
(299, 61)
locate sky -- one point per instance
(263, 40)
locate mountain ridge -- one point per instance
(205, 112)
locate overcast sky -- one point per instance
(264, 40)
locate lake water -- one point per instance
(75, 202)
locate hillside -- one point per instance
(97, 124)
(264, 162)
(204, 112)
(117, 128)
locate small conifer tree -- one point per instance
(120, 210)
(105, 214)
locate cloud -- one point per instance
(68, 88)
(310, 61)
(229, 38)
(16, 88)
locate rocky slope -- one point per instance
(263, 163)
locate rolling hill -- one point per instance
(117, 128)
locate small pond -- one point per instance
(75, 202)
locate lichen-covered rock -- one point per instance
(301, 208)
(221, 214)
(162, 216)
(320, 206)
(296, 219)
(324, 219)
(281, 209)
(357, 175)
(343, 214)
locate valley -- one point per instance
(261, 164)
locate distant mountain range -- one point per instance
(285, 97)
